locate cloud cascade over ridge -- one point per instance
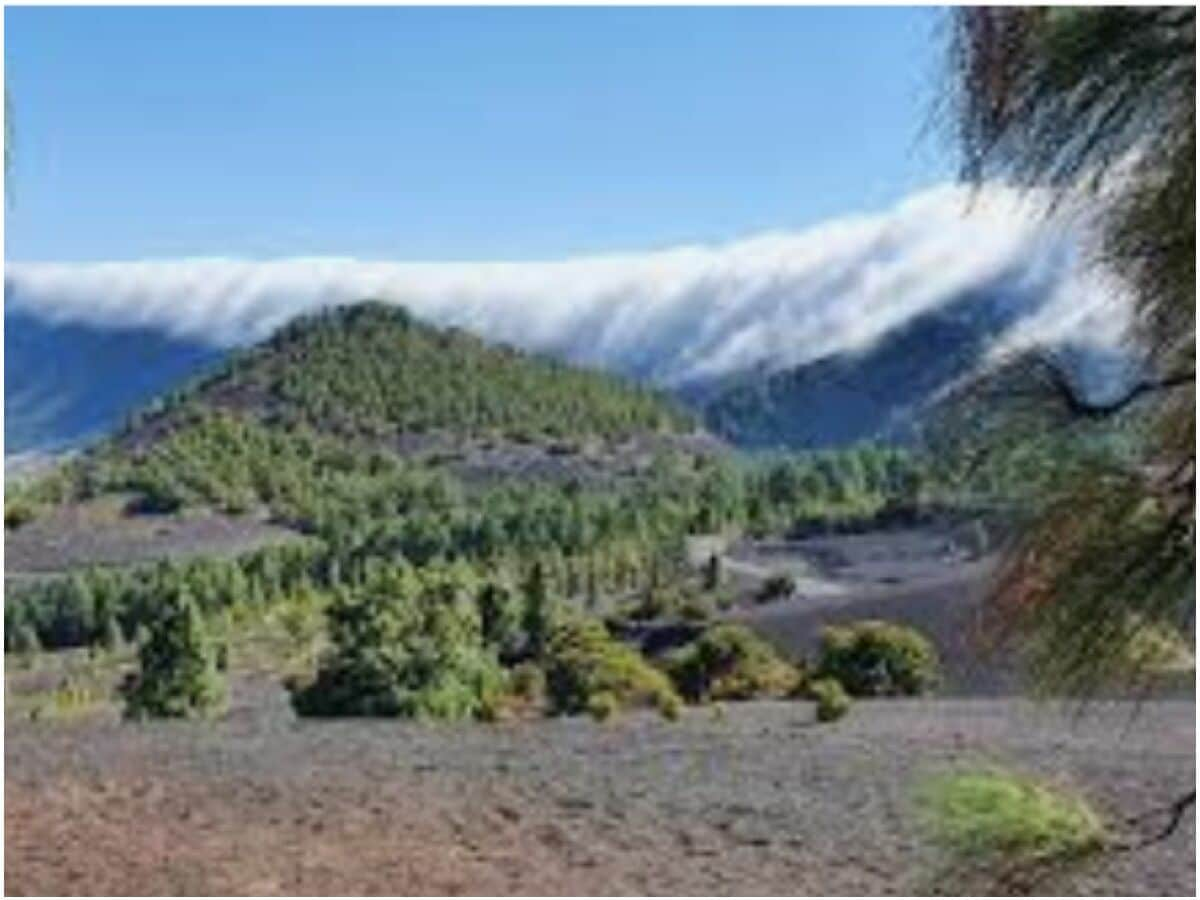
(672, 316)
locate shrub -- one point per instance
(1154, 649)
(583, 662)
(696, 609)
(654, 603)
(730, 662)
(501, 613)
(17, 513)
(712, 573)
(408, 648)
(524, 694)
(540, 610)
(72, 697)
(665, 602)
(528, 682)
(603, 706)
(111, 637)
(670, 707)
(24, 639)
(832, 700)
(179, 673)
(993, 817)
(874, 658)
(776, 587)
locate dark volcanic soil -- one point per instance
(752, 798)
(759, 800)
(924, 577)
(100, 532)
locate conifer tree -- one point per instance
(178, 666)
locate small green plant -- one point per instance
(111, 638)
(18, 513)
(524, 694)
(877, 659)
(777, 587)
(712, 573)
(668, 602)
(656, 602)
(1001, 819)
(1155, 650)
(299, 621)
(730, 662)
(583, 662)
(23, 640)
(500, 613)
(670, 707)
(71, 698)
(179, 672)
(540, 610)
(603, 706)
(528, 682)
(832, 700)
(697, 608)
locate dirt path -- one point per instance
(756, 801)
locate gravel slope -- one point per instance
(100, 532)
(759, 800)
(750, 798)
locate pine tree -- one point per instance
(712, 573)
(179, 666)
(538, 612)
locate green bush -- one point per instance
(523, 695)
(654, 603)
(998, 818)
(730, 662)
(540, 610)
(407, 647)
(670, 707)
(668, 602)
(696, 608)
(1153, 650)
(501, 614)
(24, 639)
(776, 587)
(583, 662)
(111, 637)
(603, 705)
(832, 700)
(528, 682)
(713, 573)
(179, 666)
(875, 659)
(17, 513)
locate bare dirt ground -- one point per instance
(923, 576)
(919, 576)
(596, 464)
(751, 798)
(757, 800)
(100, 532)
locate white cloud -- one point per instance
(671, 315)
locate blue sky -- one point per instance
(456, 133)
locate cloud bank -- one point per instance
(671, 316)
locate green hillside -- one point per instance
(400, 455)
(371, 370)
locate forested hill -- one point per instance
(325, 411)
(371, 370)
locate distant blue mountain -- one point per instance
(878, 393)
(67, 383)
